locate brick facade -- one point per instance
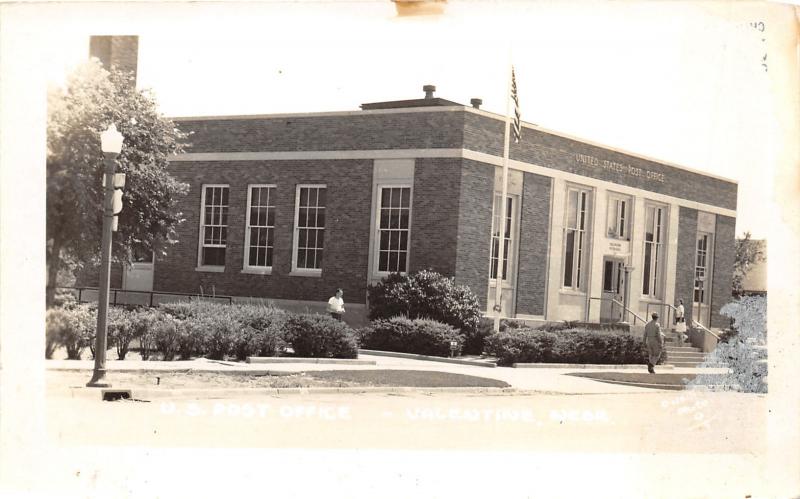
(346, 244)
(485, 134)
(474, 227)
(533, 244)
(724, 257)
(687, 250)
(434, 219)
(413, 130)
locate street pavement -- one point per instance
(559, 436)
(546, 380)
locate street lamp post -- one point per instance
(111, 143)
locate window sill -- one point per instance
(210, 268)
(571, 292)
(267, 271)
(306, 273)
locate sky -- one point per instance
(682, 82)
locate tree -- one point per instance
(91, 100)
(748, 253)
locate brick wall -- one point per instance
(474, 227)
(724, 256)
(116, 52)
(686, 254)
(484, 134)
(533, 244)
(346, 245)
(89, 275)
(434, 219)
(315, 133)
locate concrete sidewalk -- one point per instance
(545, 380)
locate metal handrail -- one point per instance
(712, 333)
(623, 307)
(114, 291)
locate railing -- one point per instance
(667, 316)
(113, 295)
(621, 306)
(712, 333)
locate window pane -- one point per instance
(404, 219)
(404, 240)
(406, 195)
(320, 239)
(302, 238)
(213, 256)
(568, 258)
(321, 218)
(383, 261)
(385, 218)
(319, 259)
(303, 196)
(608, 271)
(401, 265)
(572, 209)
(301, 258)
(648, 248)
(384, 240)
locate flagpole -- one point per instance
(501, 247)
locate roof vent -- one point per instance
(429, 90)
(476, 103)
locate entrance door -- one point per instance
(139, 275)
(613, 289)
(702, 279)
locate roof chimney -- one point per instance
(476, 103)
(429, 90)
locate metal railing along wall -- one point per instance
(615, 303)
(114, 296)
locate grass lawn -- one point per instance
(332, 378)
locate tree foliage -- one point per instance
(91, 100)
(748, 253)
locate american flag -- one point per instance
(515, 97)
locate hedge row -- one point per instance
(572, 346)
(420, 336)
(197, 328)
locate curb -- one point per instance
(147, 394)
(308, 360)
(544, 365)
(640, 385)
(415, 356)
(168, 370)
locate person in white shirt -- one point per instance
(336, 304)
(680, 320)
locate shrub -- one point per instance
(420, 336)
(314, 335)
(260, 333)
(56, 321)
(574, 346)
(81, 323)
(143, 323)
(166, 336)
(427, 294)
(120, 330)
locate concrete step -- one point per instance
(671, 348)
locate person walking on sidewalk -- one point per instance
(336, 304)
(654, 341)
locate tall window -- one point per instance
(507, 239)
(214, 225)
(575, 237)
(309, 227)
(619, 216)
(701, 272)
(655, 221)
(260, 235)
(394, 229)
